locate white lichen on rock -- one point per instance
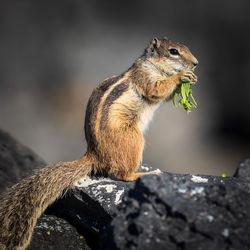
(118, 196)
(87, 181)
(198, 179)
(145, 168)
(210, 218)
(197, 190)
(108, 187)
(47, 224)
(157, 171)
(225, 232)
(182, 190)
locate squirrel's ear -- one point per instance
(155, 44)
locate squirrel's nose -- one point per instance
(195, 63)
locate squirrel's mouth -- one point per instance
(193, 68)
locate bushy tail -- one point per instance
(23, 203)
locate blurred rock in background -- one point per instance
(53, 53)
(16, 161)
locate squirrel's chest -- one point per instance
(129, 108)
(146, 115)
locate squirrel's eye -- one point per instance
(174, 52)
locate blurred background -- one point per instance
(53, 53)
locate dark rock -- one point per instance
(16, 161)
(181, 212)
(92, 204)
(243, 170)
(57, 234)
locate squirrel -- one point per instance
(117, 115)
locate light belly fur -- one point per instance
(146, 116)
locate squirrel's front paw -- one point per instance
(189, 76)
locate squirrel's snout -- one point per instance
(195, 63)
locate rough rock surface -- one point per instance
(54, 233)
(182, 212)
(16, 161)
(92, 205)
(243, 171)
(95, 200)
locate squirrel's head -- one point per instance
(169, 56)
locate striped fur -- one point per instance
(92, 109)
(116, 92)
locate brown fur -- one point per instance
(113, 95)
(117, 114)
(92, 108)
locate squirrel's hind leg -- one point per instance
(135, 176)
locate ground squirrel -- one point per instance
(118, 112)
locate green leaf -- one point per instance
(185, 93)
(174, 98)
(193, 100)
